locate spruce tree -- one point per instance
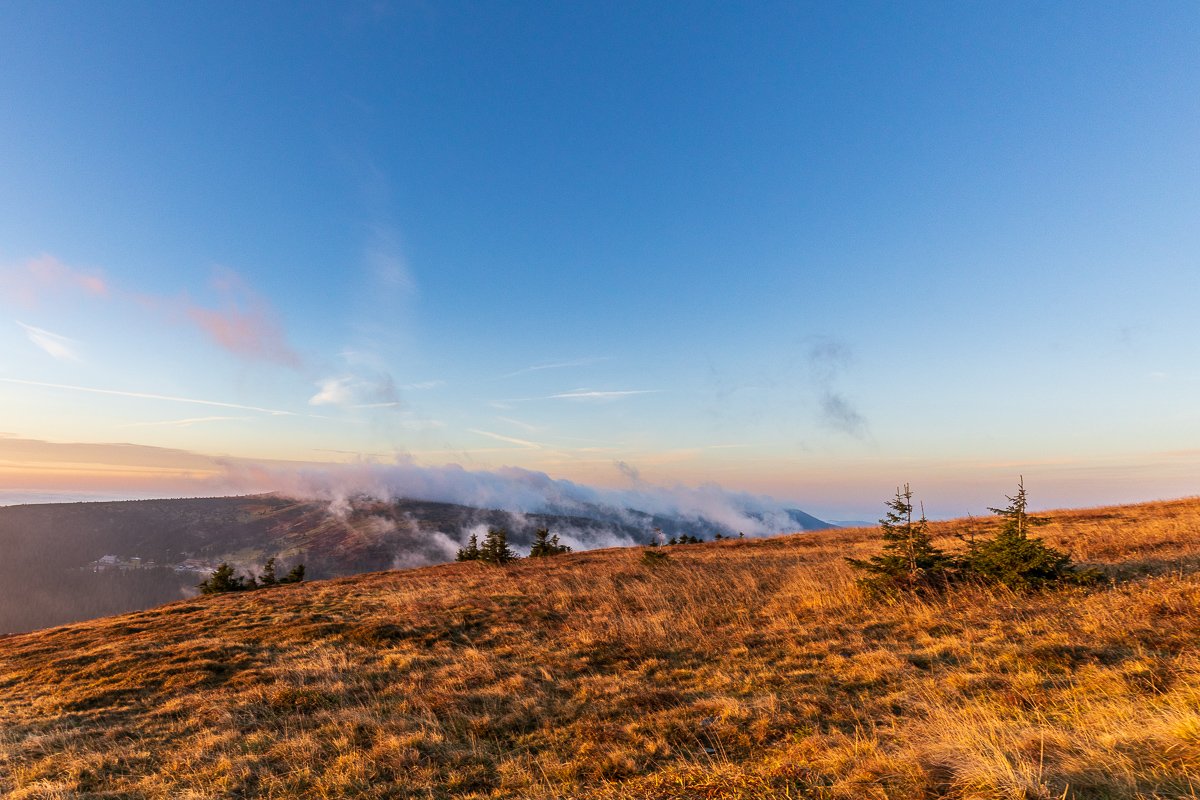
(267, 578)
(1014, 558)
(910, 561)
(495, 549)
(546, 545)
(470, 552)
(295, 575)
(222, 580)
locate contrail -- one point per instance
(509, 439)
(588, 394)
(146, 396)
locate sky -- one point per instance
(808, 250)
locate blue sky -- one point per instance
(800, 249)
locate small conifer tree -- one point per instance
(546, 545)
(470, 552)
(295, 575)
(910, 561)
(223, 579)
(495, 549)
(267, 578)
(1014, 558)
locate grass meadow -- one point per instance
(739, 669)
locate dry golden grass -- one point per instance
(744, 669)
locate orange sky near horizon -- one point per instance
(834, 487)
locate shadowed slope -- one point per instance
(748, 669)
(50, 551)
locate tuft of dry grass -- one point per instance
(738, 669)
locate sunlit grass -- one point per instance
(742, 669)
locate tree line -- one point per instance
(495, 549)
(224, 579)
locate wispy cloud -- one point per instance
(577, 362)
(828, 358)
(244, 323)
(148, 396)
(27, 283)
(421, 424)
(332, 392)
(516, 423)
(839, 414)
(510, 439)
(591, 394)
(357, 391)
(58, 346)
(185, 423)
(241, 321)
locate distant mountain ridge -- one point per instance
(74, 561)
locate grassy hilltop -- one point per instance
(738, 669)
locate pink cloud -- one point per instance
(240, 322)
(27, 283)
(244, 323)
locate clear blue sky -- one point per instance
(813, 250)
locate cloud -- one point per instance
(385, 260)
(357, 391)
(58, 346)
(148, 396)
(240, 322)
(838, 414)
(28, 283)
(590, 394)
(185, 423)
(578, 362)
(632, 473)
(828, 358)
(509, 439)
(243, 324)
(522, 491)
(333, 392)
(525, 426)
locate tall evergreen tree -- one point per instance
(909, 561)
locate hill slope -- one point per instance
(48, 552)
(160, 549)
(747, 669)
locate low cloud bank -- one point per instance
(642, 505)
